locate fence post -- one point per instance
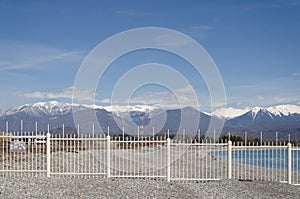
(48, 135)
(108, 156)
(229, 159)
(168, 160)
(289, 169)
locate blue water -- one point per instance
(276, 159)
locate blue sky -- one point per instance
(255, 45)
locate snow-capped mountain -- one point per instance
(280, 110)
(40, 108)
(56, 114)
(229, 112)
(282, 118)
(284, 110)
(53, 113)
(58, 108)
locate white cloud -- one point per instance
(285, 99)
(218, 104)
(182, 97)
(171, 40)
(239, 103)
(296, 74)
(19, 55)
(188, 90)
(259, 97)
(80, 95)
(198, 31)
(105, 100)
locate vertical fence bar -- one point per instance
(229, 159)
(21, 127)
(214, 135)
(108, 156)
(6, 127)
(48, 153)
(36, 127)
(289, 174)
(168, 160)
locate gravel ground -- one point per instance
(36, 185)
(68, 187)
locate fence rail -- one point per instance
(147, 157)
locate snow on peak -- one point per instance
(127, 108)
(50, 104)
(279, 110)
(57, 108)
(284, 109)
(255, 110)
(230, 112)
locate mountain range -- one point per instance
(284, 119)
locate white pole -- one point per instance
(168, 160)
(108, 156)
(78, 130)
(48, 152)
(63, 130)
(229, 159)
(289, 137)
(6, 126)
(36, 127)
(214, 135)
(21, 126)
(123, 132)
(153, 132)
(168, 133)
(289, 174)
(108, 130)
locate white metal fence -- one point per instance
(22, 154)
(146, 157)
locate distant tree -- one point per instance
(233, 138)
